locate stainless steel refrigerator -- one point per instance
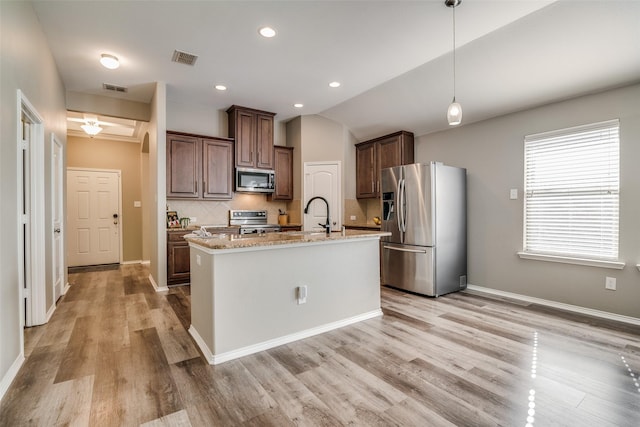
(424, 206)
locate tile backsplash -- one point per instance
(212, 212)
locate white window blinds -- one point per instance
(572, 191)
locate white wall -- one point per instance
(157, 187)
(492, 152)
(26, 64)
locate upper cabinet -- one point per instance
(253, 133)
(199, 167)
(283, 165)
(374, 155)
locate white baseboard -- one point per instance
(137, 261)
(10, 375)
(145, 262)
(554, 304)
(50, 312)
(155, 285)
(215, 359)
(66, 288)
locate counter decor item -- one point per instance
(184, 222)
(283, 217)
(376, 220)
(172, 220)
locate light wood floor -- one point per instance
(115, 353)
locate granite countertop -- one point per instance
(231, 241)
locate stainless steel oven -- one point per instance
(251, 221)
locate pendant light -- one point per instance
(454, 112)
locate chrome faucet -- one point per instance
(327, 226)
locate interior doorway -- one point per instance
(57, 217)
(93, 217)
(31, 210)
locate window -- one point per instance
(572, 192)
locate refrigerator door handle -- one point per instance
(402, 207)
(416, 251)
(399, 204)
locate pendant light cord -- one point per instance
(454, 53)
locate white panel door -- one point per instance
(93, 217)
(57, 254)
(322, 179)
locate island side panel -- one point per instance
(255, 291)
(202, 296)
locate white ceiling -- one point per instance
(393, 58)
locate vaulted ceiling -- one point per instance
(393, 58)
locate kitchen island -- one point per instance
(250, 294)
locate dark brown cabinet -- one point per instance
(199, 167)
(253, 134)
(217, 169)
(374, 155)
(283, 166)
(183, 166)
(178, 266)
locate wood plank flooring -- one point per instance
(116, 353)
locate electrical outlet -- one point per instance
(610, 283)
(198, 260)
(513, 194)
(193, 219)
(352, 217)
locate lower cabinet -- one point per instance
(178, 267)
(290, 227)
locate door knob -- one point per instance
(115, 218)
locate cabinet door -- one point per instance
(183, 167)
(389, 154)
(178, 266)
(366, 174)
(264, 142)
(245, 135)
(283, 165)
(217, 169)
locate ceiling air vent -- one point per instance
(184, 57)
(114, 88)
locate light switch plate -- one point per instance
(513, 194)
(137, 203)
(352, 217)
(610, 283)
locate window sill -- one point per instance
(616, 265)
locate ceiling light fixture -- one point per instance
(267, 32)
(454, 112)
(109, 61)
(91, 128)
(334, 84)
(298, 105)
(220, 87)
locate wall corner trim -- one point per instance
(155, 285)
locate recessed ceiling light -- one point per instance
(334, 84)
(220, 87)
(267, 32)
(109, 61)
(298, 105)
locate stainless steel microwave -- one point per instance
(255, 180)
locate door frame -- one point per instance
(35, 294)
(119, 173)
(57, 196)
